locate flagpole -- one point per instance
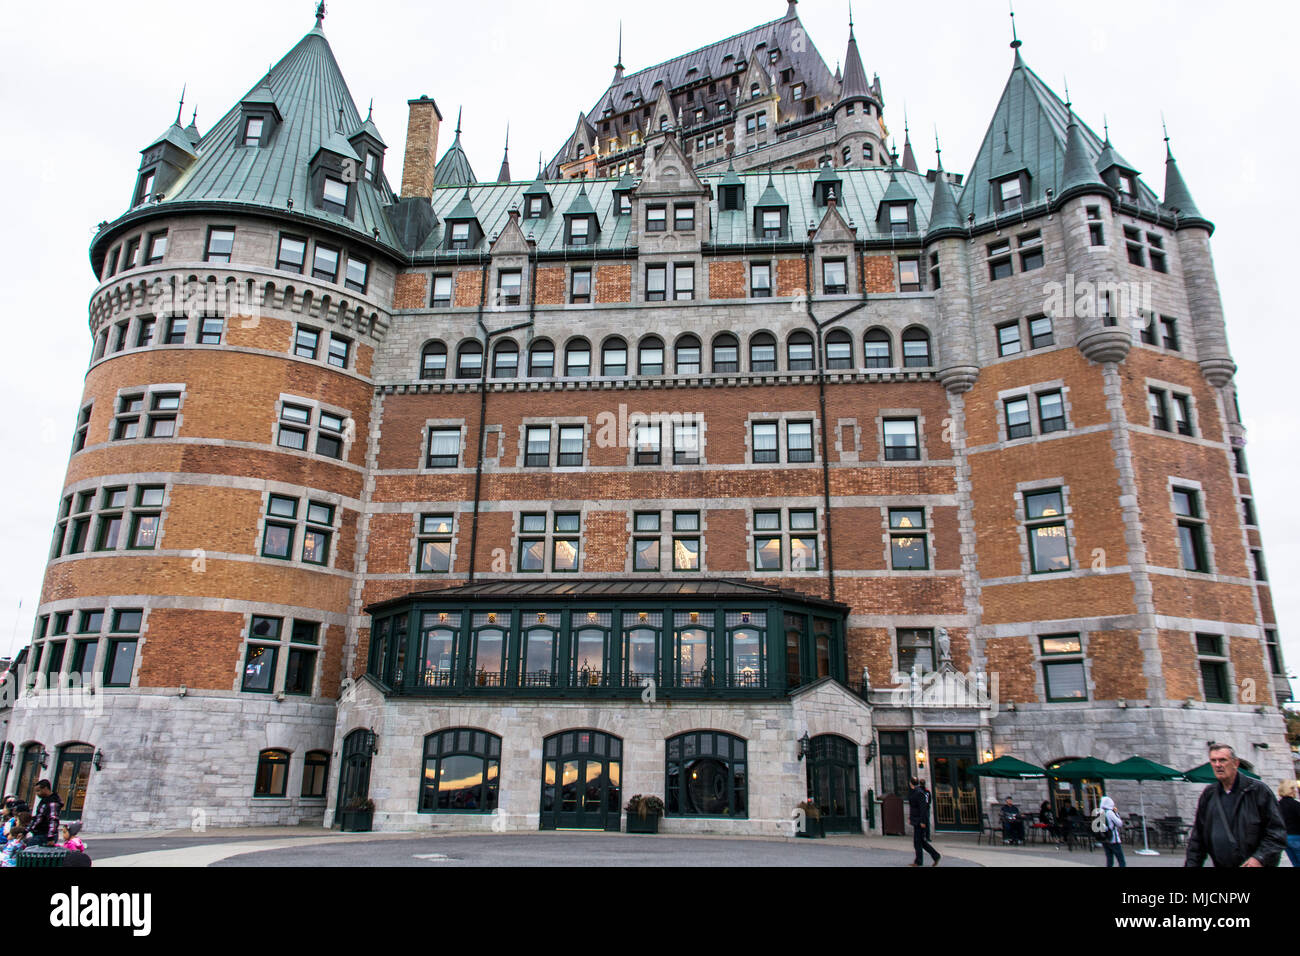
(1146, 846)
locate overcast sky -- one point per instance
(85, 86)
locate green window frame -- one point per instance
(909, 550)
(315, 774)
(1065, 678)
(280, 546)
(272, 773)
(706, 775)
(461, 771)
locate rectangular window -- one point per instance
(1063, 671)
(221, 243)
(647, 445)
(686, 444)
(767, 541)
(1191, 530)
(460, 235)
(915, 650)
(126, 424)
(1157, 403)
(537, 446)
(325, 263)
(292, 254)
(760, 280)
(799, 441)
(210, 331)
(339, 350)
(120, 661)
(834, 277)
(316, 535)
(579, 230)
(1133, 241)
(509, 284)
(441, 292)
(145, 517)
(1182, 407)
(144, 335)
(1009, 194)
(1051, 412)
(176, 329)
(444, 448)
(656, 218)
(132, 257)
(899, 220)
(144, 191)
(163, 407)
(295, 424)
(907, 540)
(1045, 527)
(1009, 338)
(656, 283)
(1031, 251)
(683, 281)
(1214, 668)
(434, 544)
(306, 342)
(156, 248)
(1169, 332)
(645, 550)
(683, 218)
(765, 446)
(357, 274)
(253, 131)
(999, 258)
(335, 196)
(1156, 252)
(1040, 332)
(329, 436)
(909, 275)
(1096, 231)
(83, 427)
(1018, 422)
(771, 220)
(901, 442)
(686, 541)
(571, 441)
(580, 286)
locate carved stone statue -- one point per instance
(866, 678)
(945, 645)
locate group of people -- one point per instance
(24, 826)
(1238, 821)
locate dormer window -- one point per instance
(579, 231)
(460, 235)
(796, 91)
(898, 219)
(1009, 193)
(1128, 185)
(253, 131)
(144, 191)
(624, 204)
(336, 196)
(771, 224)
(753, 91)
(732, 197)
(534, 207)
(372, 167)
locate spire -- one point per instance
(855, 77)
(943, 210)
(790, 12)
(370, 110)
(459, 110)
(503, 176)
(181, 105)
(1178, 198)
(320, 15)
(539, 164)
(909, 159)
(454, 168)
(1015, 40)
(1080, 170)
(618, 67)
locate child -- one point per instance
(68, 838)
(17, 833)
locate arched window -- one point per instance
(577, 358)
(505, 360)
(839, 349)
(686, 357)
(877, 349)
(315, 771)
(613, 356)
(29, 771)
(272, 773)
(762, 352)
(726, 353)
(753, 91)
(461, 772)
(650, 356)
(916, 348)
(469, 359)
(706, 775)
(799, 352)
(541, 359)
(433, 361)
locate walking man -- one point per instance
(918, 802)
(1110, 830)
(1237, 820)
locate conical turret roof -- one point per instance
(1178, 198)
(855, 84)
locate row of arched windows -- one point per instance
(687, 355)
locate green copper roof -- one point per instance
(177, 137)
(855, 77)
(896, 192)
(771, 197)
(581, 205)
(943, 211)
(1028, 131)
(1178, 197)
(371, 129)
(309, 90)
(454, 168)
(627, 182)
(464, 209)
(1080, 169)
(732, 178)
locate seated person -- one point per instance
(1013, 824)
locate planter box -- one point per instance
(356, 821)
(649, 825)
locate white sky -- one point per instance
(84, 86)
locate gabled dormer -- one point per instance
(896, 212)
(731, 191)
(537, 200)
(162, 163)
(462, 228)
(623, 195)
(1117, 173)
(771, 214)
(827, 186)
(370, 146)
(1011, 181)
(332, 176)
(581, 227)
(259, 117)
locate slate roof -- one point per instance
(1028, 131)
(308, 88)
(858, 198)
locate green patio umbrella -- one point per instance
(1139, 769)
(1085, 768)
(1007, 767)
(1205, 774)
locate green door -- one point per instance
(833, 783)
(956, 796)
(582, 781)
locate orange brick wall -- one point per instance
(468, 288)
(790, 277)
(878, 273)
(410, 290)
(1116, 662)
(550, 286)
(168, 658)
(1012, 659)
(727, 280)
(614, 283)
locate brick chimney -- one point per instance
(421, 148)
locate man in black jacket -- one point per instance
(44, 829)
(1237, 819)
(918, 802)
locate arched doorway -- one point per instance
(71, 778)
(582, 773)
(833, 782)
(1085, 795)
(354, 772)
